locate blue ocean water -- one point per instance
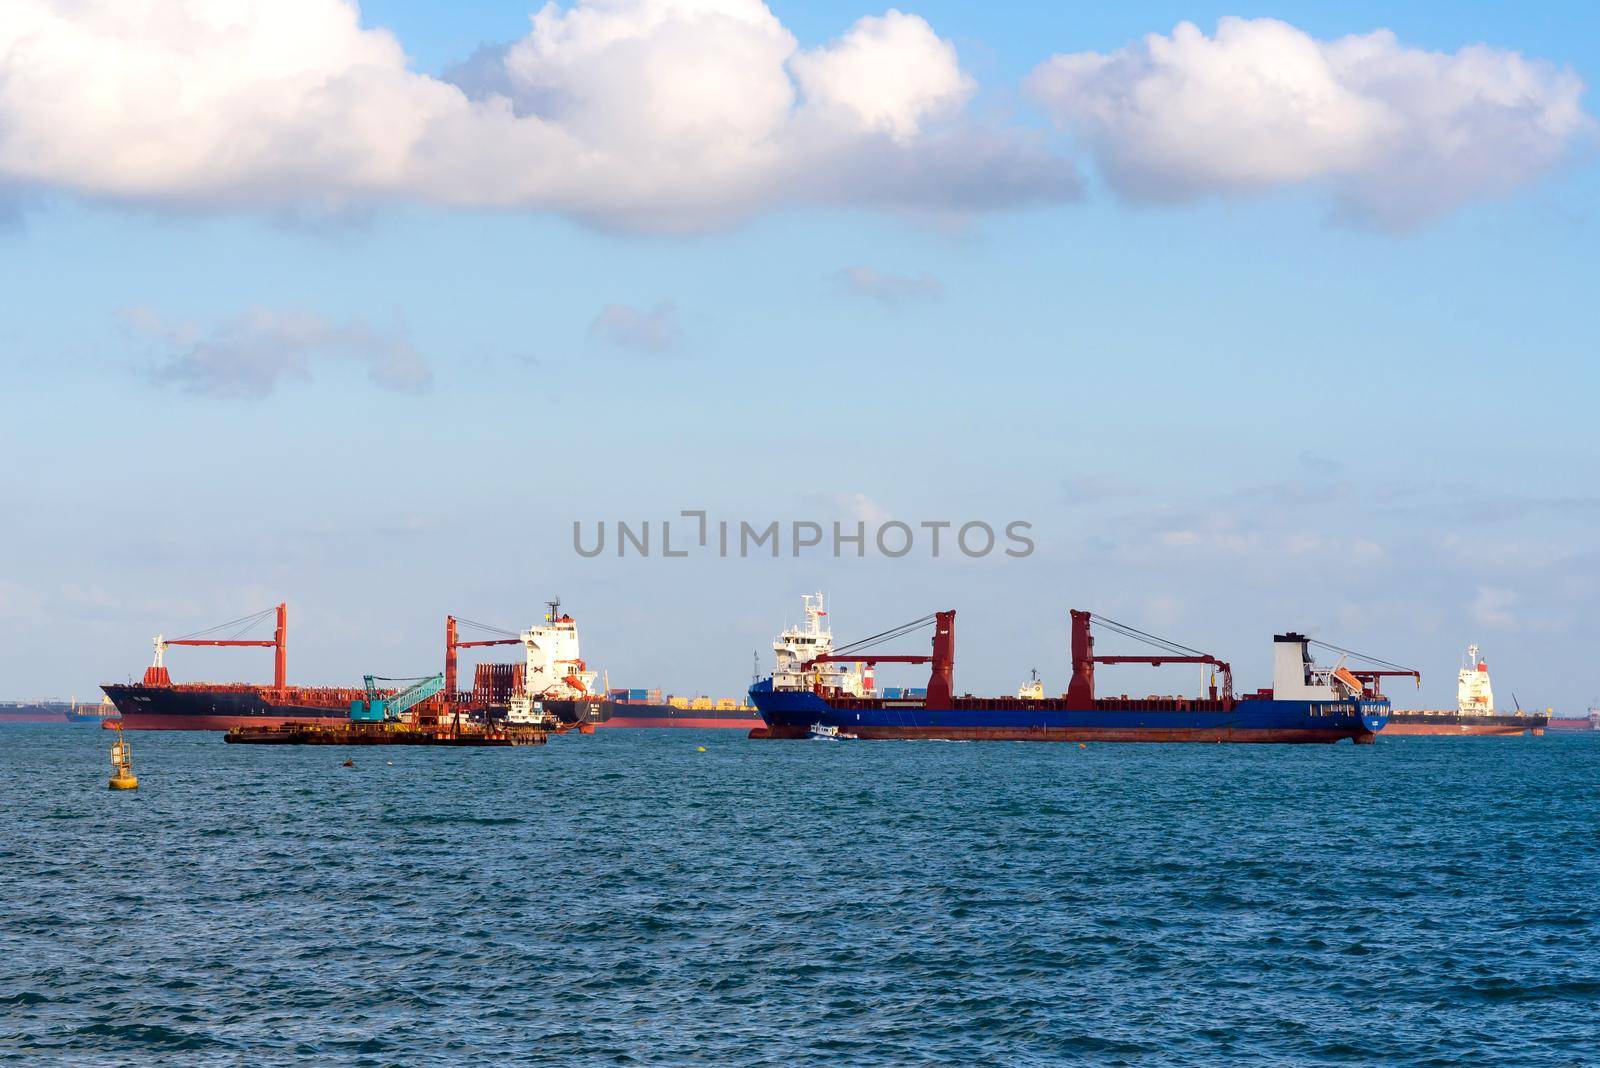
(623, 899)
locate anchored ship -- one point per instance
(1589, 722)
(34, 711)
(551, 677)
(155, 702)
(1474, 712)
(555, 676)
(816, 686)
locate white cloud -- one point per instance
(861, 507)
(655, 330)
(1492, 607)
(649, 114)
(1397, 134)
(890, 290)
(250, 355)
(888, 73)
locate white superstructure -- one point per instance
(553, 671)
(1296, 676)
(1474, 695)
(799, 644)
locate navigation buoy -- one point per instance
(349, 764)
(699, 749)
(122, 777)
(1083, 745)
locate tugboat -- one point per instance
(1474, 712)
(814, 685)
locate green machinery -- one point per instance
(375, 708)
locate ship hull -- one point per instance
(639, 715)
(792, 714)
(629, 715)
(1456, 724)
(36, 712)
(162, 708)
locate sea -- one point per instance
(628, 899)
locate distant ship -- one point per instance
(1589, 722)
(96, 713)
(1474, 712)
(33, 711)
(816, 686)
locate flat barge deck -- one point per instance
(381, 734)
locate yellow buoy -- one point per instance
(699, 749)
(122, 777)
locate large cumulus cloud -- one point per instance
(1397, 134)
(692, 114)
(655, 114)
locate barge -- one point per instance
(380, 734)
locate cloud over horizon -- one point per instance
(249, 355)
(627, 327)
(1397, 135)
(893, 291)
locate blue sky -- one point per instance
(1224, 416)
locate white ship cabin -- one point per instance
(1296, 676)
(1473, 692)
(813, 638)
(1033, 689)
(554, 667)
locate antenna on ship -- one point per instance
(755, 666)
(555, 606)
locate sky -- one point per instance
(1262, 318)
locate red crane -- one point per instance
(941, 682)
(1373, 676)
(1080, 691)
(156, 674)
(453, 642)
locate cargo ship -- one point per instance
(818, 690)
(1474, 712)
(648, 708)
(551, 673)
(565, 687)
(100, 713)
(33, 711)
(1589, 722)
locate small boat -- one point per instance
(823, 732)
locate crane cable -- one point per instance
(1138, 635)
(1358, 656)
(883, 637)
(503, 632)
(243, 623)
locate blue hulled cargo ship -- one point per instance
(815, 687)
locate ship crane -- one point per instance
(453, 642)
(941, 682)
(156, 674)
(1080, 691)
(1372, 676)
(391, 708)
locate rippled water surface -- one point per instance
(622, 898)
